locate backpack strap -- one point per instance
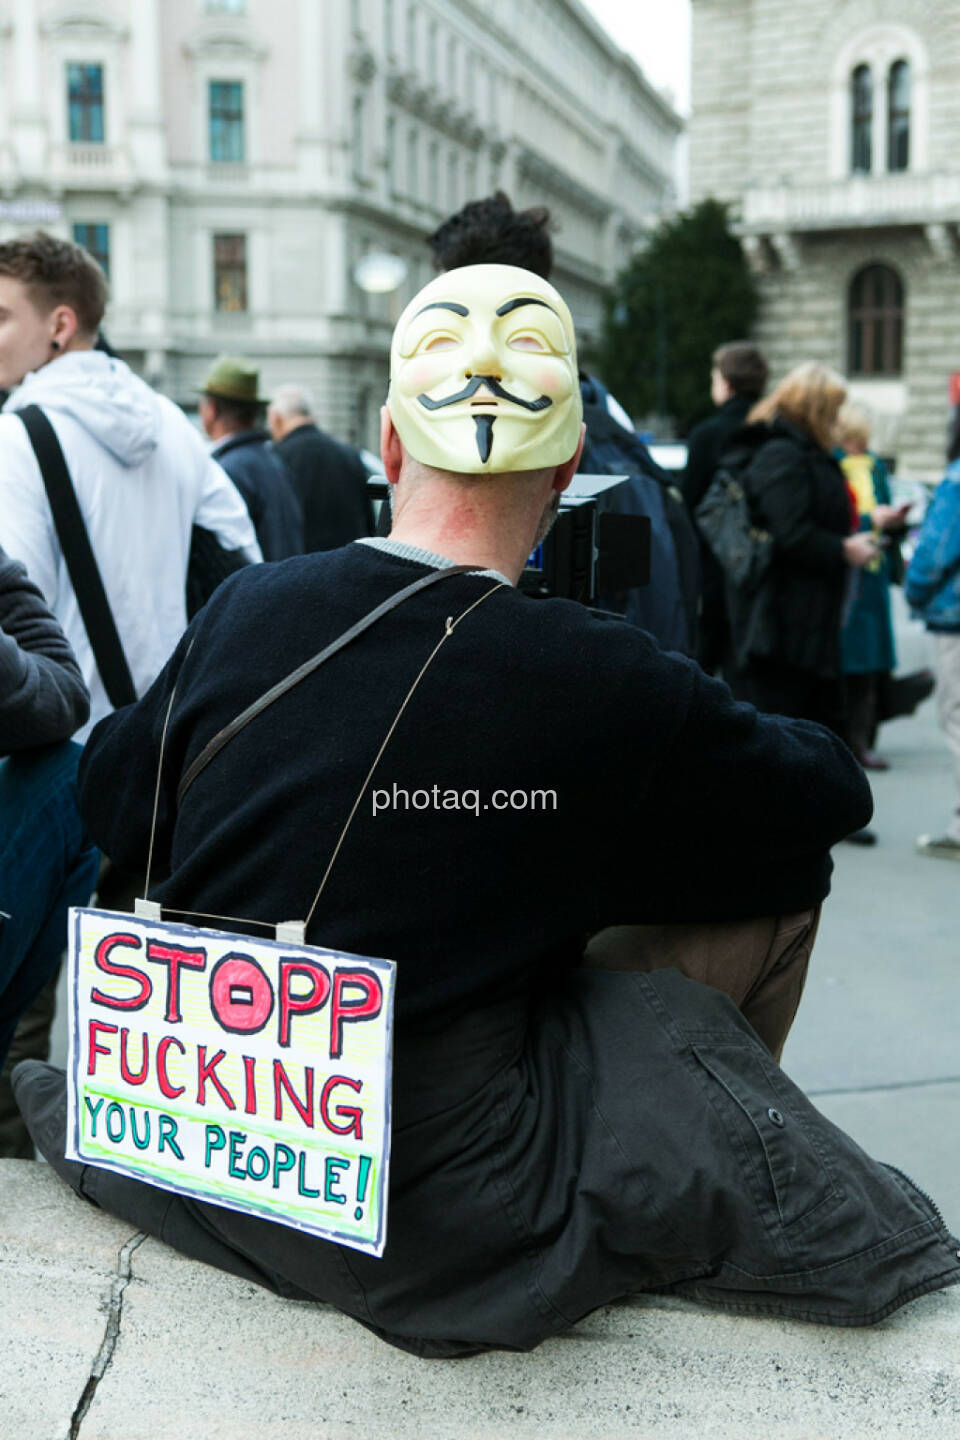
(216, 744)
(80, 560)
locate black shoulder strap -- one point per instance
(216, 744)
(81, 562)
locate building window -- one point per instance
(388, 26)
(226, 122)
(85, 103)
(875, 318)
(230, 273)
(453, 181)
(413, 165)
(96, 240)
(411, 37)
(861, 147)
(898, 116)
(229, 7)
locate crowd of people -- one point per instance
(591, 1003)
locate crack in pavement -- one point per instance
(882, 1089)
(121, 1279)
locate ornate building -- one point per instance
(230, 161)
(832, 128)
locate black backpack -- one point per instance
(724, 518)
(668, 607)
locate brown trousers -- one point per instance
(760, 964)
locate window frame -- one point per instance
(86, 108)
(100, 253)
(226, 117)
(876, 322)
(861, 120)
(899, 113)
(222, 267)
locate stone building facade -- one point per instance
(831, 127)
(231, 160)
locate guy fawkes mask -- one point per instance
(483, 373)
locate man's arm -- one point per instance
(222, 510)
(744, 810)
(42, 695)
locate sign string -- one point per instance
(293, 930)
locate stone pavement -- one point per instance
(106, 1335)
(876, 1042)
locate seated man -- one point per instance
(562, 1135)
(46, 861)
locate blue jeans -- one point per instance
(47, 864)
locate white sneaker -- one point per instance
(940, 847)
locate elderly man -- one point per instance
(562, 1135)
(330, 478)
(230, 412)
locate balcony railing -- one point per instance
(860, 201)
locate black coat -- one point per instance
(798, 493)
(706, 443)
(260, 475)
(560, 1137)
(331, 481)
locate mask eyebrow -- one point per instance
(524, 300)
(446, 305)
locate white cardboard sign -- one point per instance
(250, 1073)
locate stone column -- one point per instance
(29, 121)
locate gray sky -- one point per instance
(657, 34)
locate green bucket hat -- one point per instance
(234, 378)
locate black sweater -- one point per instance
(672, 801)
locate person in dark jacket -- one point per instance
(561, 1135)
(330, 478)
(47, 863)
(798, 495)
(738, 378)
(230, 410)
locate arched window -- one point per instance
(898, 116)
(861, 132)
(875, 322)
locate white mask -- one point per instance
(483, 373)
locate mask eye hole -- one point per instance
(435, 343)
(526, 341)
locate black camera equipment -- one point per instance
(592, 548)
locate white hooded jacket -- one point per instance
(143, 478)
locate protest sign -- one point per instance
(251, 1073)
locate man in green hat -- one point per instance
(231, 410)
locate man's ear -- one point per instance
(63, 320)
(564, 473)
(391, 450)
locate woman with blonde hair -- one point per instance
(798, 495)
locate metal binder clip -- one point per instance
(292, 932)
(147, 909)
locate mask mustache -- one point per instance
(471, 388)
